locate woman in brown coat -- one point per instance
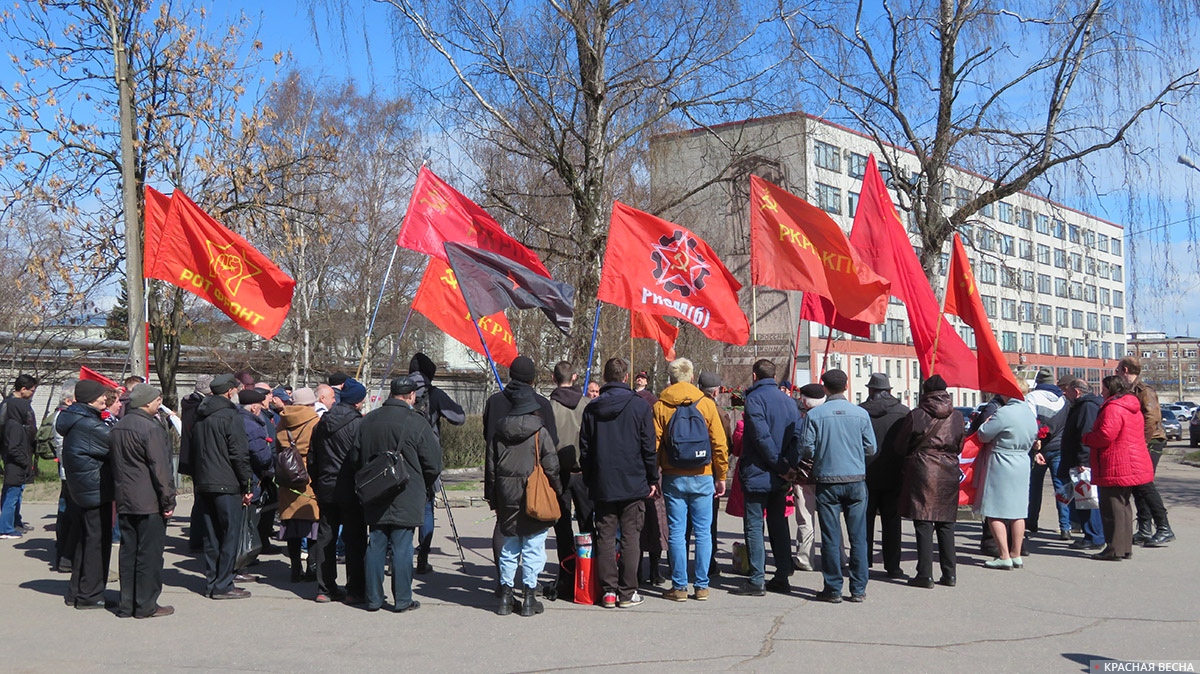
(298, 513)
(930, 439)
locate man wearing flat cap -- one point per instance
(260, 437)
(223, 480)
(145, 496)
(396, 427)
(884, 473)
(838, 437)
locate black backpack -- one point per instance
(688, 444)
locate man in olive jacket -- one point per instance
(396, 427)
(222, 477)
(145, 495)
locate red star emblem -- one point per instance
(679, 265)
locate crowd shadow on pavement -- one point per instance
(40, 548)
(1177, 490)
(1083, 659)
(52, 586)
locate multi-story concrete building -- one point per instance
(1052, 278)
(1171, 365)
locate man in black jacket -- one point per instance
(89, 482)
(435, 405)
(145, 495)
(397, 428)
(187, 416)
(19, 440)
(521, 373)
(333, 481)
(222, 478)
(884, 473)
(620, 468)
(1084, 407)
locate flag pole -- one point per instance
(828, 345)
(795, 352)
(486, 351)
(375, 314)
(395, 352)
(587, 377)
(754, 310)
(941, 314)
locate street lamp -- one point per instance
(1187, 161)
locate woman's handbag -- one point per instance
(541, 503)
(289, 466)
(384, 476)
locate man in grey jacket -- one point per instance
(838, 437)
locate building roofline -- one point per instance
(804, 115)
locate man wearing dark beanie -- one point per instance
(432, 403)
(521, 373)
(333, 482)
(336, 381)
(222, 477)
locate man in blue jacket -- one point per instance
(1084, 408)
(838, 437)
(620, 469)
(90, 485)
(770, 424)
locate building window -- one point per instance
(1162, 353)
(1043, 253)
(989, 306)
(1006, 245)
(1043, 284)
(987, 273)
(1089, 266)
(829, 198)
(1077, 319)
(1116, 246)
(1025, 249)
(1043, 224)
(1102, 270)
(1027, 282)
(851, 203)
(1118, 301)
(1145, 354)
(1006, 212)
(1077, 348)
(1089, 238)
(1025, 218)
(856, 165)
(1008, 341)
(1059, 229)
(827, 156)
(1025, 312)
(1102, 243)
(1008, 309)
(1028, 342)
(1076, 290)
(988, 211)
(1073, 234)
(1093, 321)
(1105, 297)
(1089, 293)
(1106, 350)
(1116, 272)
(1008, 278)
(1060, 287)
(1076, 262)
(1046, 345)
(987, 239)
(1093, 350)
(893, 331)
(1105, 324)
(1061, 316)
(1060, 258)
(1189, 353)
(961, 196)
(1045, 314)
(1063, 346)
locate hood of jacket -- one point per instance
(295, 416)
(567, 396)
(1128, 402)
(937, 404)
(339, 415)
(882, 405)
(213, 404)
(1087, 398)
(72, 415)
(614, 398)
(681, 393)
(517, 429)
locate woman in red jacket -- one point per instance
(1120, 461)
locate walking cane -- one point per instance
(462, 559)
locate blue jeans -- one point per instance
(530, 551)
(10, 506)
(689, 498)
(774, 505)
(1037, 477)
(1089, 521)
(401, 540)
(833, 502)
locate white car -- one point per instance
(1181, 412)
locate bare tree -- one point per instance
(1023, 94)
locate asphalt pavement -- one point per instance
(1058, 614)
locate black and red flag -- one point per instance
(491, 282)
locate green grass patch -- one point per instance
(465, 486)
(1192, 458)
(462, 446)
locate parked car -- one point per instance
(967, 413)
(1181, 413)
(1194, 431)
(1188, 404)
(1171, 425)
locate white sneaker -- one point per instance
(631, 602)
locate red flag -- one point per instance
(648, 326)
(962, 300)
(437, 213)
(820, 310)
(796, 246)
(967, 489)
(439, 299)
(196, 253)
(86, 372)
(880, 237)
(155, 211)
(660, 268)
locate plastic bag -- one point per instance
(249, 542)
(1086, 495)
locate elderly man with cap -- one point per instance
(260, 437)
(805, 492)
(332, 478)
(838, 437)
(770, 424)
(884, 473)
(522, 374)
(224, 481)
(399, 429)
(145, 495)
(1052, 409)
(85, 458)
(641, 383)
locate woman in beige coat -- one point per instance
(298, 514)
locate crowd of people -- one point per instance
(643, 474)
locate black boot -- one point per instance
(1144, 533)
(1161, 537)
(505, 607)
(293, 548)
(655, 577)
(423, 565)
(530, 605)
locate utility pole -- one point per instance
(134, 282)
